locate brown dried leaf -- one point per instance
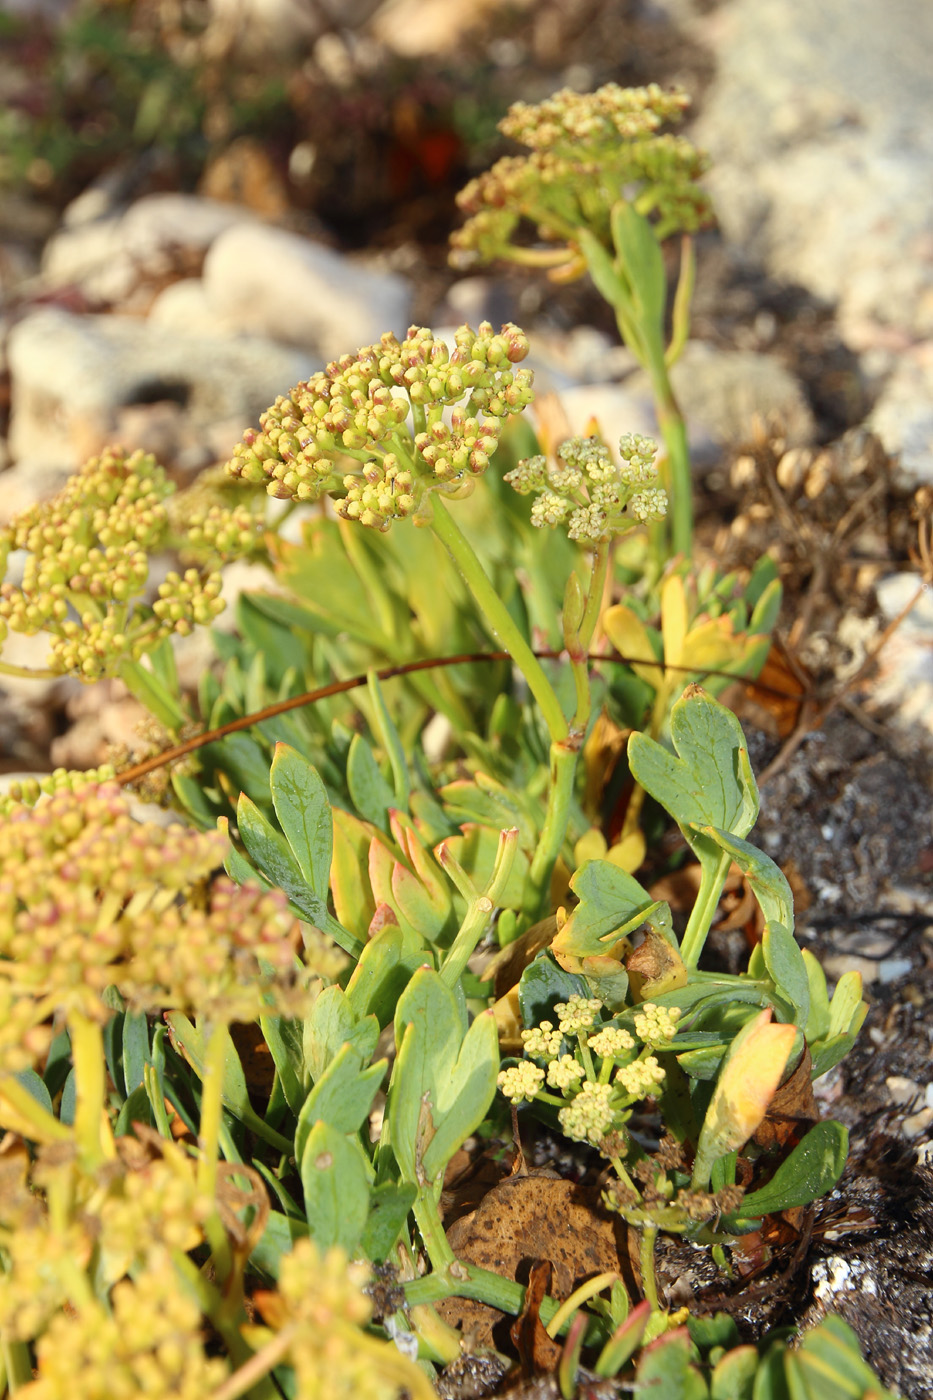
(526, 1218)
(537, 1353)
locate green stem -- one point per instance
(556, 818)
(677, 479)
(28, 673)
(428, 1219)
(480, 908)
(215, 1046)
(646, 1261)
(467, 1281)
(17, 1363)
(499, 618)
(92, 1133)
(594, 594)
(712, 879)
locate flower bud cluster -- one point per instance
(87, 564)
(587, 492)
(360, 407)
(656, 1025)
(597, 1072)
(588, 150)
(27, 792)
(90, 897)
(321, 1303)
(148, 1342)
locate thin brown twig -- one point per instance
(294, 702)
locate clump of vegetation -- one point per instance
(231, 1101)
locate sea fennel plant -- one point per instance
(602, 188)
(231, 1103)
(278, 1172)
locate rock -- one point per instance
(184, 306)
(820, 126)
(107, 257)
(279, 26)
(425, 28)
(723, 391)
(903, 414)
(274, 283)
(720, 393)
(905, 667)
(72, 376)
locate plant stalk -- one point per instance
(499, 618)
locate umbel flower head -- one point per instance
(414, 415)
(588, 150)
(320, 1309)
(585, 489)
(87, 564)
(148, 1341)
(89, 898)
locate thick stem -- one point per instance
(92, 1131)
(679, 481)
(480, 909)
(499, 618)
(467, 1281)
(646, 1262)
(215, 1046)
(17, 1363)
(712, 879)
(428, 1219)
(557, 815)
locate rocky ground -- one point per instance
(168, 320)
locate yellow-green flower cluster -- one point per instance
(587, 492)
(588, 150)
(656, 1025)
(543, 1042)
(577, 1014)
(641, 1077)
(89, 897)
(590, 1115)
(33, 1284)
(321, 1307)
(131, 1214)
(521, 1081)
(87, 565)
(611, 1043)
(147, 1342)
(592, 1100)
(414, 415)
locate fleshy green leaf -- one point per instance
(332, 1024)
(388, 1210)
(371, 794)
(541, 985)
(709, 782)
(766, 880)
(611, 904)
(342, 1096)
(300, 801)
(787, 969)
(135, 1049)
(335, 1177)
(284, 1039)
(733, 1376)
(443, 1081)
(812, 1169)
